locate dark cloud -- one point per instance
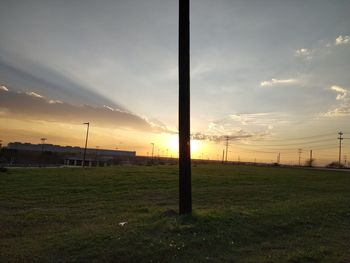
(32, 105)
(48, 81)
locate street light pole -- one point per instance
(152, 149)
(185, 196)
(86, 141)
(42, 150)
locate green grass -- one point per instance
(241, 214)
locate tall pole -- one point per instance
(310, 158)
(42, 150)
(86, 141)
(340, 138)
(42, 144)
(152, 149)
(227, 139)
(185, 195)
(299, 151)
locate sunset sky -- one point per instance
(273, 75)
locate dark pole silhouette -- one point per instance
(185, 195)
(227, 138)
(42, 150)
(42, 144)
(86, 141)
(310, 158)
(152, 149)
(340, 138)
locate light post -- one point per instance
(152, 143)
(42, 150)
(86, 141)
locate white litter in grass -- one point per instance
(123, 223)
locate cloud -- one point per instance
(338, 112)
(4, 88)
(33, 106)
(242, 126)
(34, 94)
(108, 107)
(304, 53)
(277, 82)
(341, 40)
(342, 92)
(55, 101)
(239, 135)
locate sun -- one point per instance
(173, 144)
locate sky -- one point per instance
(271, 75)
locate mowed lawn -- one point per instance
(241, 214)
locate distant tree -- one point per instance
(335, 165)
(310, 162)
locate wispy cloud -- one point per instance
(304, 53)
(341, 40)
(4, 88)
(33, 106)
(34, 94)
(55, 101)
(277, 82)
(236, 136)
(338, 112)
(242, 127)
(342, 93)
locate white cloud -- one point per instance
(304, 53)
(34, 94)
(338, 112)
(276, 82)
(3, 88)
(108, 107)
(342, 40)
(55, 102)
(342, 92)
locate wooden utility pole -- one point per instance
(310, 158)
(340, 138)
(86, 141)
(185, 195)
(227, 138)
(300, 151)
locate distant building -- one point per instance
(68, 149)
(78, 161)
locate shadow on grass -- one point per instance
(202, 237)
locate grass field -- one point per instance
(241, 214)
